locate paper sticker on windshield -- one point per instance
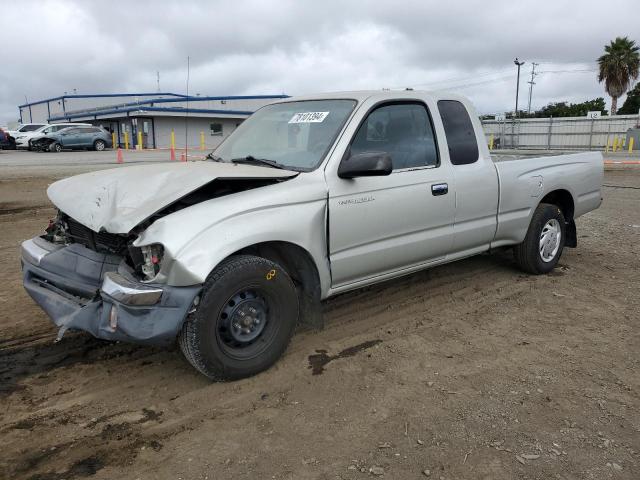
(309, 117)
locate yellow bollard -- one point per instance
(139, 141)
(126, 140)
(173, 139)
(606, 149)
(491, 142)
(113, 140)
(615, 143)
(201, 140)
(631, 144)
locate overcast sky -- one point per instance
(295, 47)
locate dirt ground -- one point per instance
(468, 371)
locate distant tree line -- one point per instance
(632, 103)
(631, 106)
(566, 109)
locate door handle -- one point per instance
(439, 189)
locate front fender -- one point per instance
(300, 224)
(198, 238)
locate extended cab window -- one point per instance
(461, 137)
(403, 130)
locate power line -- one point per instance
(497, 74)
(585, 70)
(474, 84)
(453, 79)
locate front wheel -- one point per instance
(246, 317)
(56, 147)
(542, 247)
(98, 145)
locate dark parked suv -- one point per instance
(73, 138)
(7, 142)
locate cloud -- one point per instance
(254, 47)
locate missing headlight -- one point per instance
(152, 257)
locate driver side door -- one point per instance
(381, 225)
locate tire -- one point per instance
(542, 247)
(248, 292)
(56, 147)
(99, 145)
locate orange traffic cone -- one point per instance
(183, 157)
(119, 158)
(173, 154)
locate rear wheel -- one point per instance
(246, 317)
(99, 145)
(542, 247)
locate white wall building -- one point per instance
(154, 115)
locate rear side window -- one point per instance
(461, 137)
(30, 128)
(403, 130)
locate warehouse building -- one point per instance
(194, 119)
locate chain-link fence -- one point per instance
(563, 133)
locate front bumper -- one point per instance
(84, 290)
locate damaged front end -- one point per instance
(99, 283)
(43, 144)
(90, 270)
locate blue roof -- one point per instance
(100, 95)
(143, 108)
(148, 104)
(179, 97)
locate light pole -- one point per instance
(518, 64)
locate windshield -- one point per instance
(295, 135)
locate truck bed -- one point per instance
(524, 179)
(505, 155)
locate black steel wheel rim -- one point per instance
(245, 327)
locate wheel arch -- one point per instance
(301, 267)
(563, 199)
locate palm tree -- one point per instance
(618, 68)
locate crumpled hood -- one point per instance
(117, 200)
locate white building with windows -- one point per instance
(155, 115)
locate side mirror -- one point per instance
(365, 164)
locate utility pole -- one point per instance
(518, 64)
(531, 83)
(186, 115)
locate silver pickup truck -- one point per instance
(309, 197)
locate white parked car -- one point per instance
(25, 128)
(24, 139)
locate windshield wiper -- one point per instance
(251, 160)
(215, 158)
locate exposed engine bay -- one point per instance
(144, 261)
